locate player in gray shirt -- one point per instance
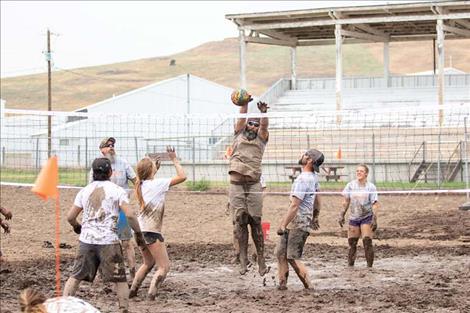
(122, 174)
(361, 196)
(297, 224)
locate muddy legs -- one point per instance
(352, 250)
(257, 235)
(242, 237)
(368, 250)
(301, 272)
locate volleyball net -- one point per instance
(405, 149)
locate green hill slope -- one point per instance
(218, 61)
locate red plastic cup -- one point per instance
(265, 226)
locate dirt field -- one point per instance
(422, 259)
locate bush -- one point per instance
(199, 185)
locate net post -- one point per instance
(373, 159)
(465, 142)
(136, 150)
(194, 160)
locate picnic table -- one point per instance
(296, 170)
(331, 172)
(328, 171)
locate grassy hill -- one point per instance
(218, 61)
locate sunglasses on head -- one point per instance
(253, 123)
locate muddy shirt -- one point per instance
(247, 156)
(100, 202)
(122, 173)
(68, 305)
(304, 188)
(153, 192)
(362, 198)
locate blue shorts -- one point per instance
(123, 229)
(361, 221)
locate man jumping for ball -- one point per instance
(245, 193)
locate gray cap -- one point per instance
(317, 158)
(105, 141)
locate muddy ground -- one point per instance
(422, 258)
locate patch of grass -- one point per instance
(67, 176)
(199, 185)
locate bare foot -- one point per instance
(132, 293)
(264, 270)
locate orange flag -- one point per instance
(47, 180)
(46, 187)
(339, 154)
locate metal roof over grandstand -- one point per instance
(437, 21)
(377, 23)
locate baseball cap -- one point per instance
(101, 165)
(105, 141)
(317, 158)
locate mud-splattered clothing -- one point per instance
(100, 202)
(247, 198)
(108, 259)
(122, 174)
(304, 188)
(153, 192)
(362, 197)
(68, 305)
(247, 156)
(291, 244)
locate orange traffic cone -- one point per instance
(339, 154)
(47, 180)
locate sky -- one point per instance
(88, 33)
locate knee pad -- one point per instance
(367, 242)
(353, 242)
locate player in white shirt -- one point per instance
(100, 249)
(150, 192)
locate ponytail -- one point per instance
(138, 193)
(145, 170)
(31, 301)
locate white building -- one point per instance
(142, 121)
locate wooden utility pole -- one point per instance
(49, 95)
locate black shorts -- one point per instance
(291, 244)
(151, 237)
(107, 258)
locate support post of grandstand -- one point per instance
(440, 68)
(339, 71)
(293, 58)
(242, 59)
(439, 159)
(387, 63)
